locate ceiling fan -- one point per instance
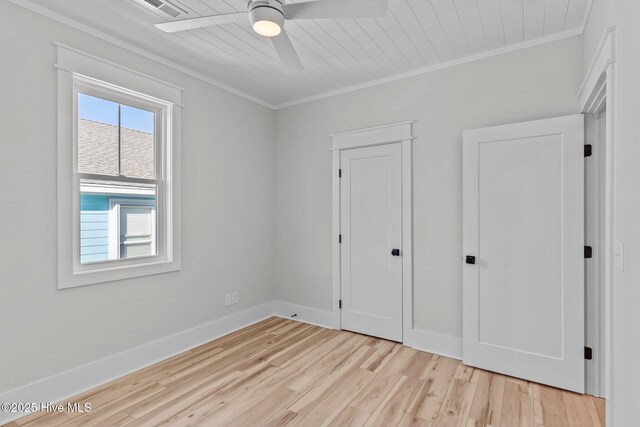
(267, 18)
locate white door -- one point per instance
(524, 224)
(371, 229)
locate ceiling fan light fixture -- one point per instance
(267, 28)
(266, 20)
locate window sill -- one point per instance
(112, 273)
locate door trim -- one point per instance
(396, 133)
(599, 89)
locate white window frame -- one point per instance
(82, 72)
(102, 90)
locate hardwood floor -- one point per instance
(280, 372)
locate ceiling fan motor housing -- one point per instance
(266, 10)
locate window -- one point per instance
(133, 230)
(117, 151)
(119, 219)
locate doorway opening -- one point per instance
(595, 238)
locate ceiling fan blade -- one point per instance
(205, 21)
(330, 9)
(287, 52)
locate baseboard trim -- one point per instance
(78, 380)
(432, 342)
(301, 313)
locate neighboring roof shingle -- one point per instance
(98, 150)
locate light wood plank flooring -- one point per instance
(280, 372)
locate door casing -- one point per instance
(379, 135)
(597, 91)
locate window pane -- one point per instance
(117, 221)
(136, 231)
(97, 135)
(94, 227)
(137, 144)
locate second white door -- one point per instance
(371, 233)
(523, 281)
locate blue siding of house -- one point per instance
(94, 202)
(94, 225)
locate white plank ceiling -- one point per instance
(336, 54)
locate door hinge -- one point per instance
(588, 252)
(588, 353)
(339, 238)
(340, 304)
(339, 173)
(588, 150)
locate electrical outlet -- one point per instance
(227, 300)
(234, 297)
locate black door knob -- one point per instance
(395, 252)
(471, 259)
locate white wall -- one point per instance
(227, 205)
(626, 298)
(625, 14)
(600, 18)
(528, 84)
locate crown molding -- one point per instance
(438, 67)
